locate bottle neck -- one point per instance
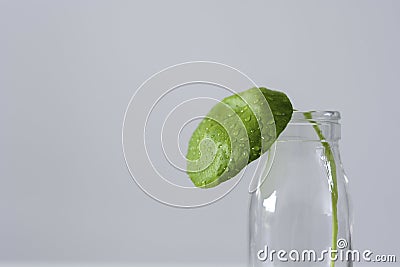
(312, 126)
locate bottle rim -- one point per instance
(302, 126)
(315, 116)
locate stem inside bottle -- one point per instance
(331, 169)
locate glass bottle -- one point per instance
(303, 203)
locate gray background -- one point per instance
(69, 68)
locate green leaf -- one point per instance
(235, 132)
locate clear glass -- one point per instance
(296, 208)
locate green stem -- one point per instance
(333, 183)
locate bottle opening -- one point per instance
(315, 116)
(312, 126)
